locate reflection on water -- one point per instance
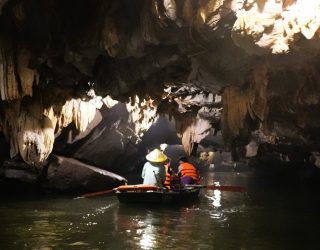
(262, 219)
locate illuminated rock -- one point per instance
(169, 57)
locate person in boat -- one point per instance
(153, 172)
(187, 172)
(169, 174)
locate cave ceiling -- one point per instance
(176, 56)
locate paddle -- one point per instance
(211, 187)
(222, 188)
(94, 194)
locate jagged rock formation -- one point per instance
(30, 126)
(195, 112)
(261, 56)
(277, 27)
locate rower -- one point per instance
(153, 172)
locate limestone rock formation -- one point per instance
(159, 56)
(30, 126)
(195, 112)
(69, 175)
(264, 27)
(61, 174)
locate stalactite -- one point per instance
(194, 110)
(27, 76)
(276, 31)
(170, 9)
(142, 114)
(207, 9)
(134, 48)
(35, 138)
(187, 139)
(109, 102)
(240, 103)
(235, 110)
(148, 27)
(16, 78)
(8, 84)
(85, 112)
(189, 11)
(31, 128)
(67, 114)
(81, 113)
(257, 101)
(110, 37)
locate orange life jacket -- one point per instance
(169, 177)
(187, 169)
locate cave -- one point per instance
(84, 83)
(89, 88)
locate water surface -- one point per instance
(263, 218)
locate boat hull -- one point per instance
(159, 196)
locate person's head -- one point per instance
(156, 155)
(182, 159)
(167, 161)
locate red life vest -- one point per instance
(169, 177)
(187, 169)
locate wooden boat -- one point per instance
(155, 195)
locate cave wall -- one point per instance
(261, 56)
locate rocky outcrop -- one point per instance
(60, 175)
(69, 175)
(112, 140)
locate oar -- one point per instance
(94, 194)
(222, 188)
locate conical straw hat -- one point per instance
(156, 156)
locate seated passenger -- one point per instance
(187, 172)
(169, 174)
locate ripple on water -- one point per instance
(78, 244)
(221, 220)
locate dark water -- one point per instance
(264, 218)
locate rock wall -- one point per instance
(261, 56)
